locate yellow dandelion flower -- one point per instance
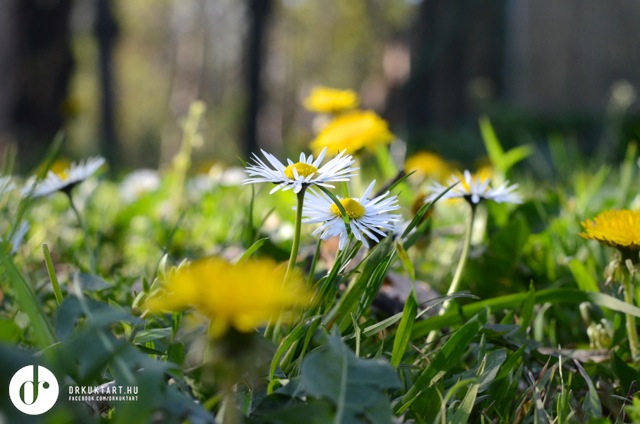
(331, 100)
(240, 296)
(428, 165)
(616, 228)
(353, 131)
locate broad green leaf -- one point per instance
(356, 387)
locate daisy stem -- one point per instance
(455, 282)
(271, 331)
(296, 236)
(632, 332)
(90, 252)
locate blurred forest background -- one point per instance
(116, 76)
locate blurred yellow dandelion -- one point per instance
(428, 165)
(330, 100)
(353, 131)
(616, 228)
(240, 296)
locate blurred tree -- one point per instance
(259, 12)
(35, 67)
(106, 31)
(456, 63)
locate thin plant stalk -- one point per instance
(90, 252)
(295, 246)
(632, 332)
(52, 274)
(272, 329)
(457, 276)
(455, 282)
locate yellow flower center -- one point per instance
(63, 175)
(303, 169)
(352, 207)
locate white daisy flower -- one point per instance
(474, 189)
(65, 180)
(138, 183)
(303, 173)
(367, 217)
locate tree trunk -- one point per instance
(35, 68)
(456, 61)
(106, 31)
(259, 12)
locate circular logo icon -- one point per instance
(33, 390)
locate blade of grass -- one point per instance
(52, 274)
(592, 406)
(501, 159)
(27, 300)
(373, 268)
(571, 296)
(446, 358)
(403, 334)
(585, 281)
(252, 249)
(463, 411)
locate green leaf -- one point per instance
(355, 386)
(89, 282)
(584, 280)
(403, 334)
(627, 375)
(303, 331)
(363, 287)
(279, 409)
(252, 249)
(446, 358)
(145, 336)
(27, 300)
(9, 331)
(463, 411)
(501, 160)
(555, 296)
(527, 309)
(406, 261)
(591, 404)
(381, 325)
(52, 274)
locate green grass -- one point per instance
(522, 341)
